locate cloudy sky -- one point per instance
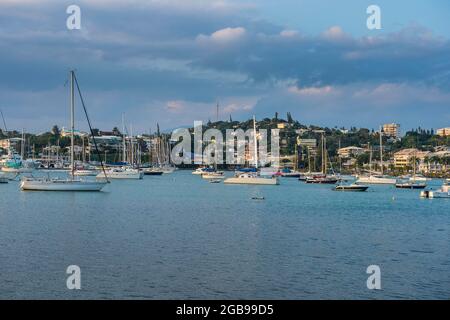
(171, 61)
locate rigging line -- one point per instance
(90, 127)
(4, 122)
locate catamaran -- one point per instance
(70, 184)
(252, 177)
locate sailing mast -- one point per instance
(370, 159)
(255, 142)
(124, 149)
(381, 151)
(72, 124)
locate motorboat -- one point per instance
(351, 187)
(152, 172)
(202, 170)
(322, 179)
(443, 192)
(415, 178)
(410, 185)
(376, 179)
(213, 175)
(251, 178)
(288, 173)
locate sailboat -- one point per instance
(323, 178)
(72, 183)
(411, 183)
(252, 177)
(376, 179)
(125, 172)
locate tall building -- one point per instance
(391, 130)
(444, 132)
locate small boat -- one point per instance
(200, 171)
(213, 175)
(215, 180)
(376, 179)
(122, 173)
(444, 192)
(152, 172)
(322, 179)
(351, 187)
(288, 173)
(415, 178)
(410, 185)
(251, 178)
(258, 198)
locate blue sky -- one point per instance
(171, 61)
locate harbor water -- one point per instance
(177, 236)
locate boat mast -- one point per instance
(22, 145)
(381, 151)
(370, 159)
(72, 123)
(124, 155)
(255, 140)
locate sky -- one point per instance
(170, 62)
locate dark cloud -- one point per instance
(145, 56)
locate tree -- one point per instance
(55, 131)
(116, 131)
(289, 118)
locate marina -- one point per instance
(178, 236)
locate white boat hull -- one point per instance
(61, 185)
(375, 180)
(255, 181)
(122, 175)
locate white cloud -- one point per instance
(224, 36)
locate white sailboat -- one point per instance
(252, 177)
(70, 184)
(379, 178)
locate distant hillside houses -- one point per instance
(404, 158)
(350, 152)
(443, 132)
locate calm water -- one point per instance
(177, 236)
